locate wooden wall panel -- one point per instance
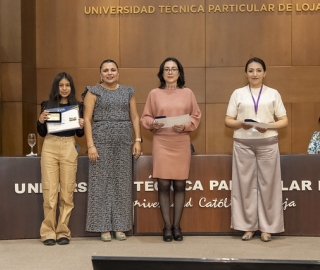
(221, 82)
(284, 134)
(11, 107)
(28, 32)
(233, 38)
(11, 82)
(10, 14)
(143, 80)
(305, 118)
(146, 40)
(12, 143)
(29, 84)
(295, 84)
(219, 138)
(305, 36)
(67, 37)
(196, 80)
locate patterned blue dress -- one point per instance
(110, 178)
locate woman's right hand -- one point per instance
(93, 154)
(156, 125)
(44, 116)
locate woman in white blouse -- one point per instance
(256, 112)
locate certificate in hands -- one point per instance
(256, 124)
(174, 120)
(69, 119)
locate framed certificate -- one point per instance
(69, 119)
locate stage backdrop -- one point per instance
(213, 39)
(207, 208)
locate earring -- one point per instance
(101, 80)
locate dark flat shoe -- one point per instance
(63, 241)
(167, 235)
(177, 235)
(49, 242)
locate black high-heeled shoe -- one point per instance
(177, 235)
(167, 235)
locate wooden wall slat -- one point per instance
(10, 13)
(233, 38)
(11, 82)
(305, 36)
(12, 141)
(67, 37)
(146, 40)
(219, 138)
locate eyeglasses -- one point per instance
(173, 70)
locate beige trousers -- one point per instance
(256, 195)
(58, 173)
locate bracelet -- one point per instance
(92, 145)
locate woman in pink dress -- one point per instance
(171, 145)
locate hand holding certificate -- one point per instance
(69, 119)
(174, 120)
(256, 124)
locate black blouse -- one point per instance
(42, 128)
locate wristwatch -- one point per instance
(139, 140)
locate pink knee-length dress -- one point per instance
(171, 150)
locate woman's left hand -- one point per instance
(137, 150)
(81, 122)
(178, 128)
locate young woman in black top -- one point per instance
(59, 160)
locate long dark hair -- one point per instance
(54, 97)
(180, 82)
(258, 60)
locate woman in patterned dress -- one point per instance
(171, 145)
(111, 117)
